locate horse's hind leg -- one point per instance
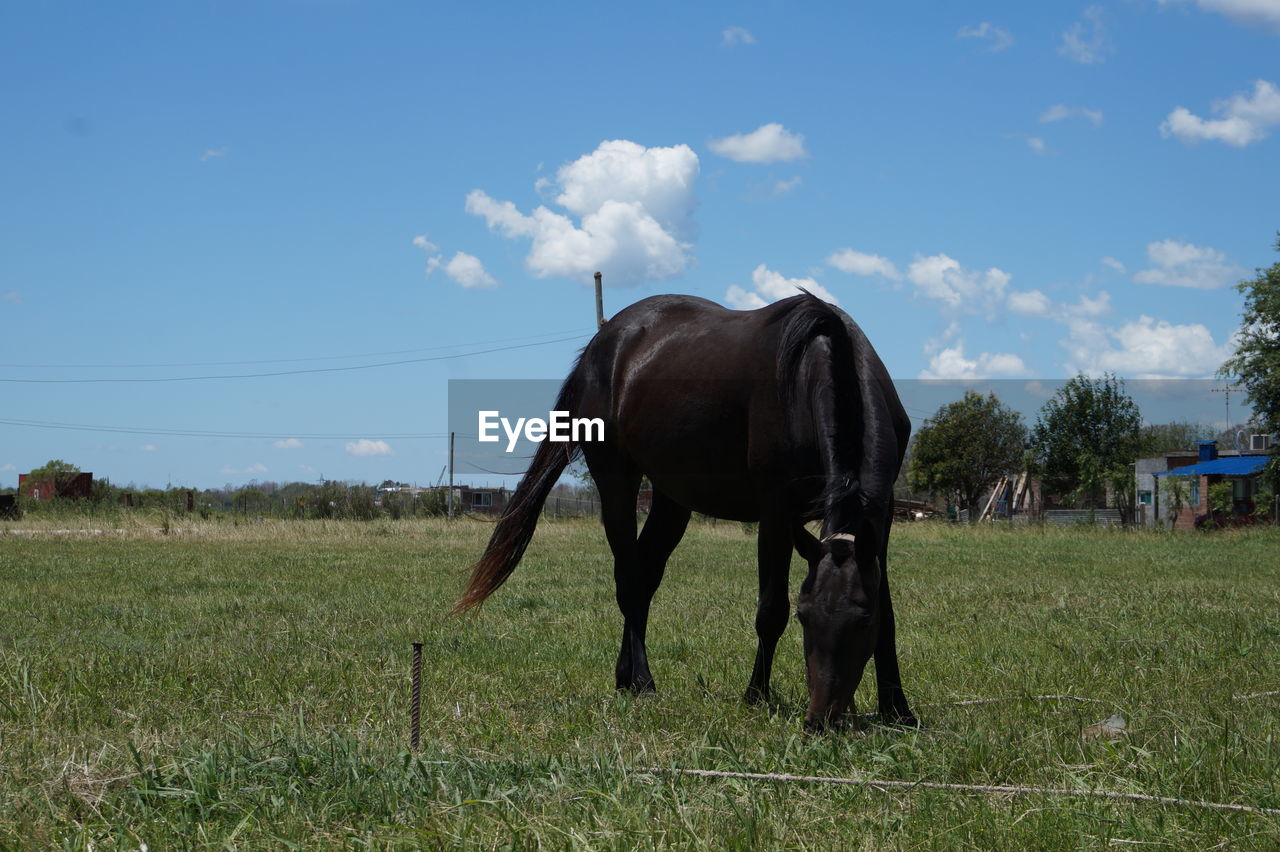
(637, 565)
(662, 531)
(772, 608)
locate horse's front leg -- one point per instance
(891, 699)
(773, 607)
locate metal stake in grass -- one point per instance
(415, 711)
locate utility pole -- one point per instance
(451, 437)
(599, 300)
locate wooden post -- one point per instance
(599, 300)
(991, 502)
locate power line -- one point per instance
(293, 360)
(495, 472)
(102, 380)
(203, 433)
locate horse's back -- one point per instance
(687, 390)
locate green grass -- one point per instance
(248, 686)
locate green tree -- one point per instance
(1256, 362)
(251, 500)
(56, 471)
(966, 447)
(1177, 494)
(1086, 437)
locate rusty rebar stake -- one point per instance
(416, 707)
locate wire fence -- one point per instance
(571, 507)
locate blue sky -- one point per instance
(1005, 191)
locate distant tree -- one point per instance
(1086, 437)
(966, 447)
(1158, 438)
(250, 499)
(578, 472)
(56, 471)
(1235, 437)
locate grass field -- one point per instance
(248, 686)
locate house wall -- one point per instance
(1187, 517)
(78, 486)
(1145, 481)
(498, 498)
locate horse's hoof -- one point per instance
(640, 688)
(896, 721)
(755, 696)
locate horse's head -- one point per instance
(838, 607)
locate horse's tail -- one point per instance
(828, 406)
(515, 528)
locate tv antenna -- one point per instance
(1226, 398)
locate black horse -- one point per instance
(780, 415)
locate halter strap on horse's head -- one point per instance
(842, 536)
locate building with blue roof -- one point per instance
(1175, 487)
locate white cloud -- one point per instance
(1244, 118)
(773, 285)
(950, 362)
(148, 448)
(13, 297)
(782, 187)
(987, 31)
(1030, 303)
(1086, 41)
(1259, 13)
(1114, 264)
(769, 143)
(635, 206)
(288, 444)
(770, 286)
(465, 269)
(212, 154)
(1059, 112)
(733, 36)
(1145, 348)
(258, 467)
(1033, 303)
(943, 278)
(743, 300)
(7, 467)
(1035, 143)
(660, 180)
(1086, 307)
(365, 447)
(860, 263)
(1185, 265)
